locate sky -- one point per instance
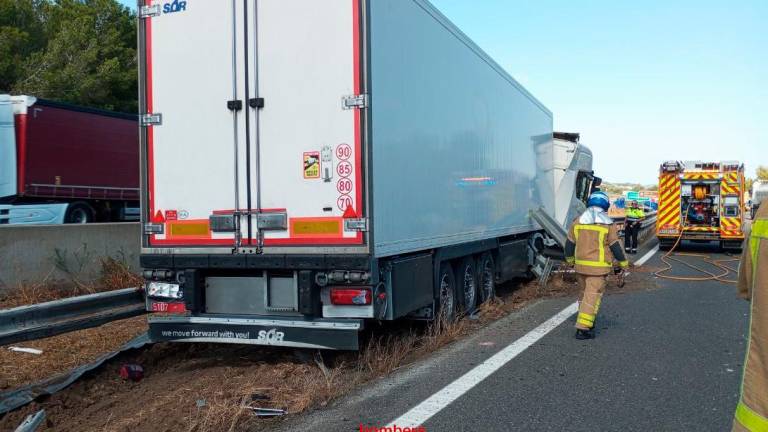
(642, 82)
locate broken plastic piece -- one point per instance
(26, 350)
(267, 412)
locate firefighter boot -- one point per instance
(585, 334)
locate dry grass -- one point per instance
(321, 378)
(64, 352)
(114, 274)
(228, 380)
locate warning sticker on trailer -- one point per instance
(312, 165)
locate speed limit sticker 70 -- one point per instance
(344, 202)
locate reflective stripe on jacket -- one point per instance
(634, 214)
(752, 410)
(593, 248)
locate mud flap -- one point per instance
(317, 334)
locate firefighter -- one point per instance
(594, 249)
(634, 216)
(752, 410)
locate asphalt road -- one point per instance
(666, 358)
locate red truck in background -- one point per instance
(62, 163)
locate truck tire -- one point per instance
(446, 293)
(79, 213)
(486, 277)
(466, 283)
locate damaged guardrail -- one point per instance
(13, 399)
(47, 319)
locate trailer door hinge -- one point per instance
(154, 228)
(356, 225)
(355, 101)
(149, 11)
(151, 119)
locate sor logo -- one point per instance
(270, 336)
(175, 6)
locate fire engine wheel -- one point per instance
(486, 277)
(446, 288)
(466, 280)
(666, 245)
(79, 213)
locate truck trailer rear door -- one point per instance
(253, 113)
(306, 56)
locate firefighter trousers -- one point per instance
(594, 287)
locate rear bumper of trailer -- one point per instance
(339, 334)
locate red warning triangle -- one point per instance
(349, 213)
(159, 218)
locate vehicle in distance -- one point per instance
(61, 163)
(701, 202)
(759, 195)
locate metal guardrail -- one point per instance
(70, 314)
(648, 224)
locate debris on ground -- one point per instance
(26, 350)
(267, 412)
(131, 372)
(32, 422)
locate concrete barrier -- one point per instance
(55, 253)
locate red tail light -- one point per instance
(351, 296)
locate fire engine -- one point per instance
(701, 202)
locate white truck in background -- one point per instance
(309, 167)
(759, 195)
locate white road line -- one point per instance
(422, 412)
(647, 256)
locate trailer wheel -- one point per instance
(466, 281)
(79, 213)
(446, 289)
(486, 277)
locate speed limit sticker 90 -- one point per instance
(343, 151)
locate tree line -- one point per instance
(76, 51)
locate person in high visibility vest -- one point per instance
(634, 216)
(594, 249)
(752, 410)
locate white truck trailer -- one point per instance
(310, 166)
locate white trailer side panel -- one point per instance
(457, 144)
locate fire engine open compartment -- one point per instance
(701, 202)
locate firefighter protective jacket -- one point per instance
(593, 248)
(752, 410)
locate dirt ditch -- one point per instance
(209, 387)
